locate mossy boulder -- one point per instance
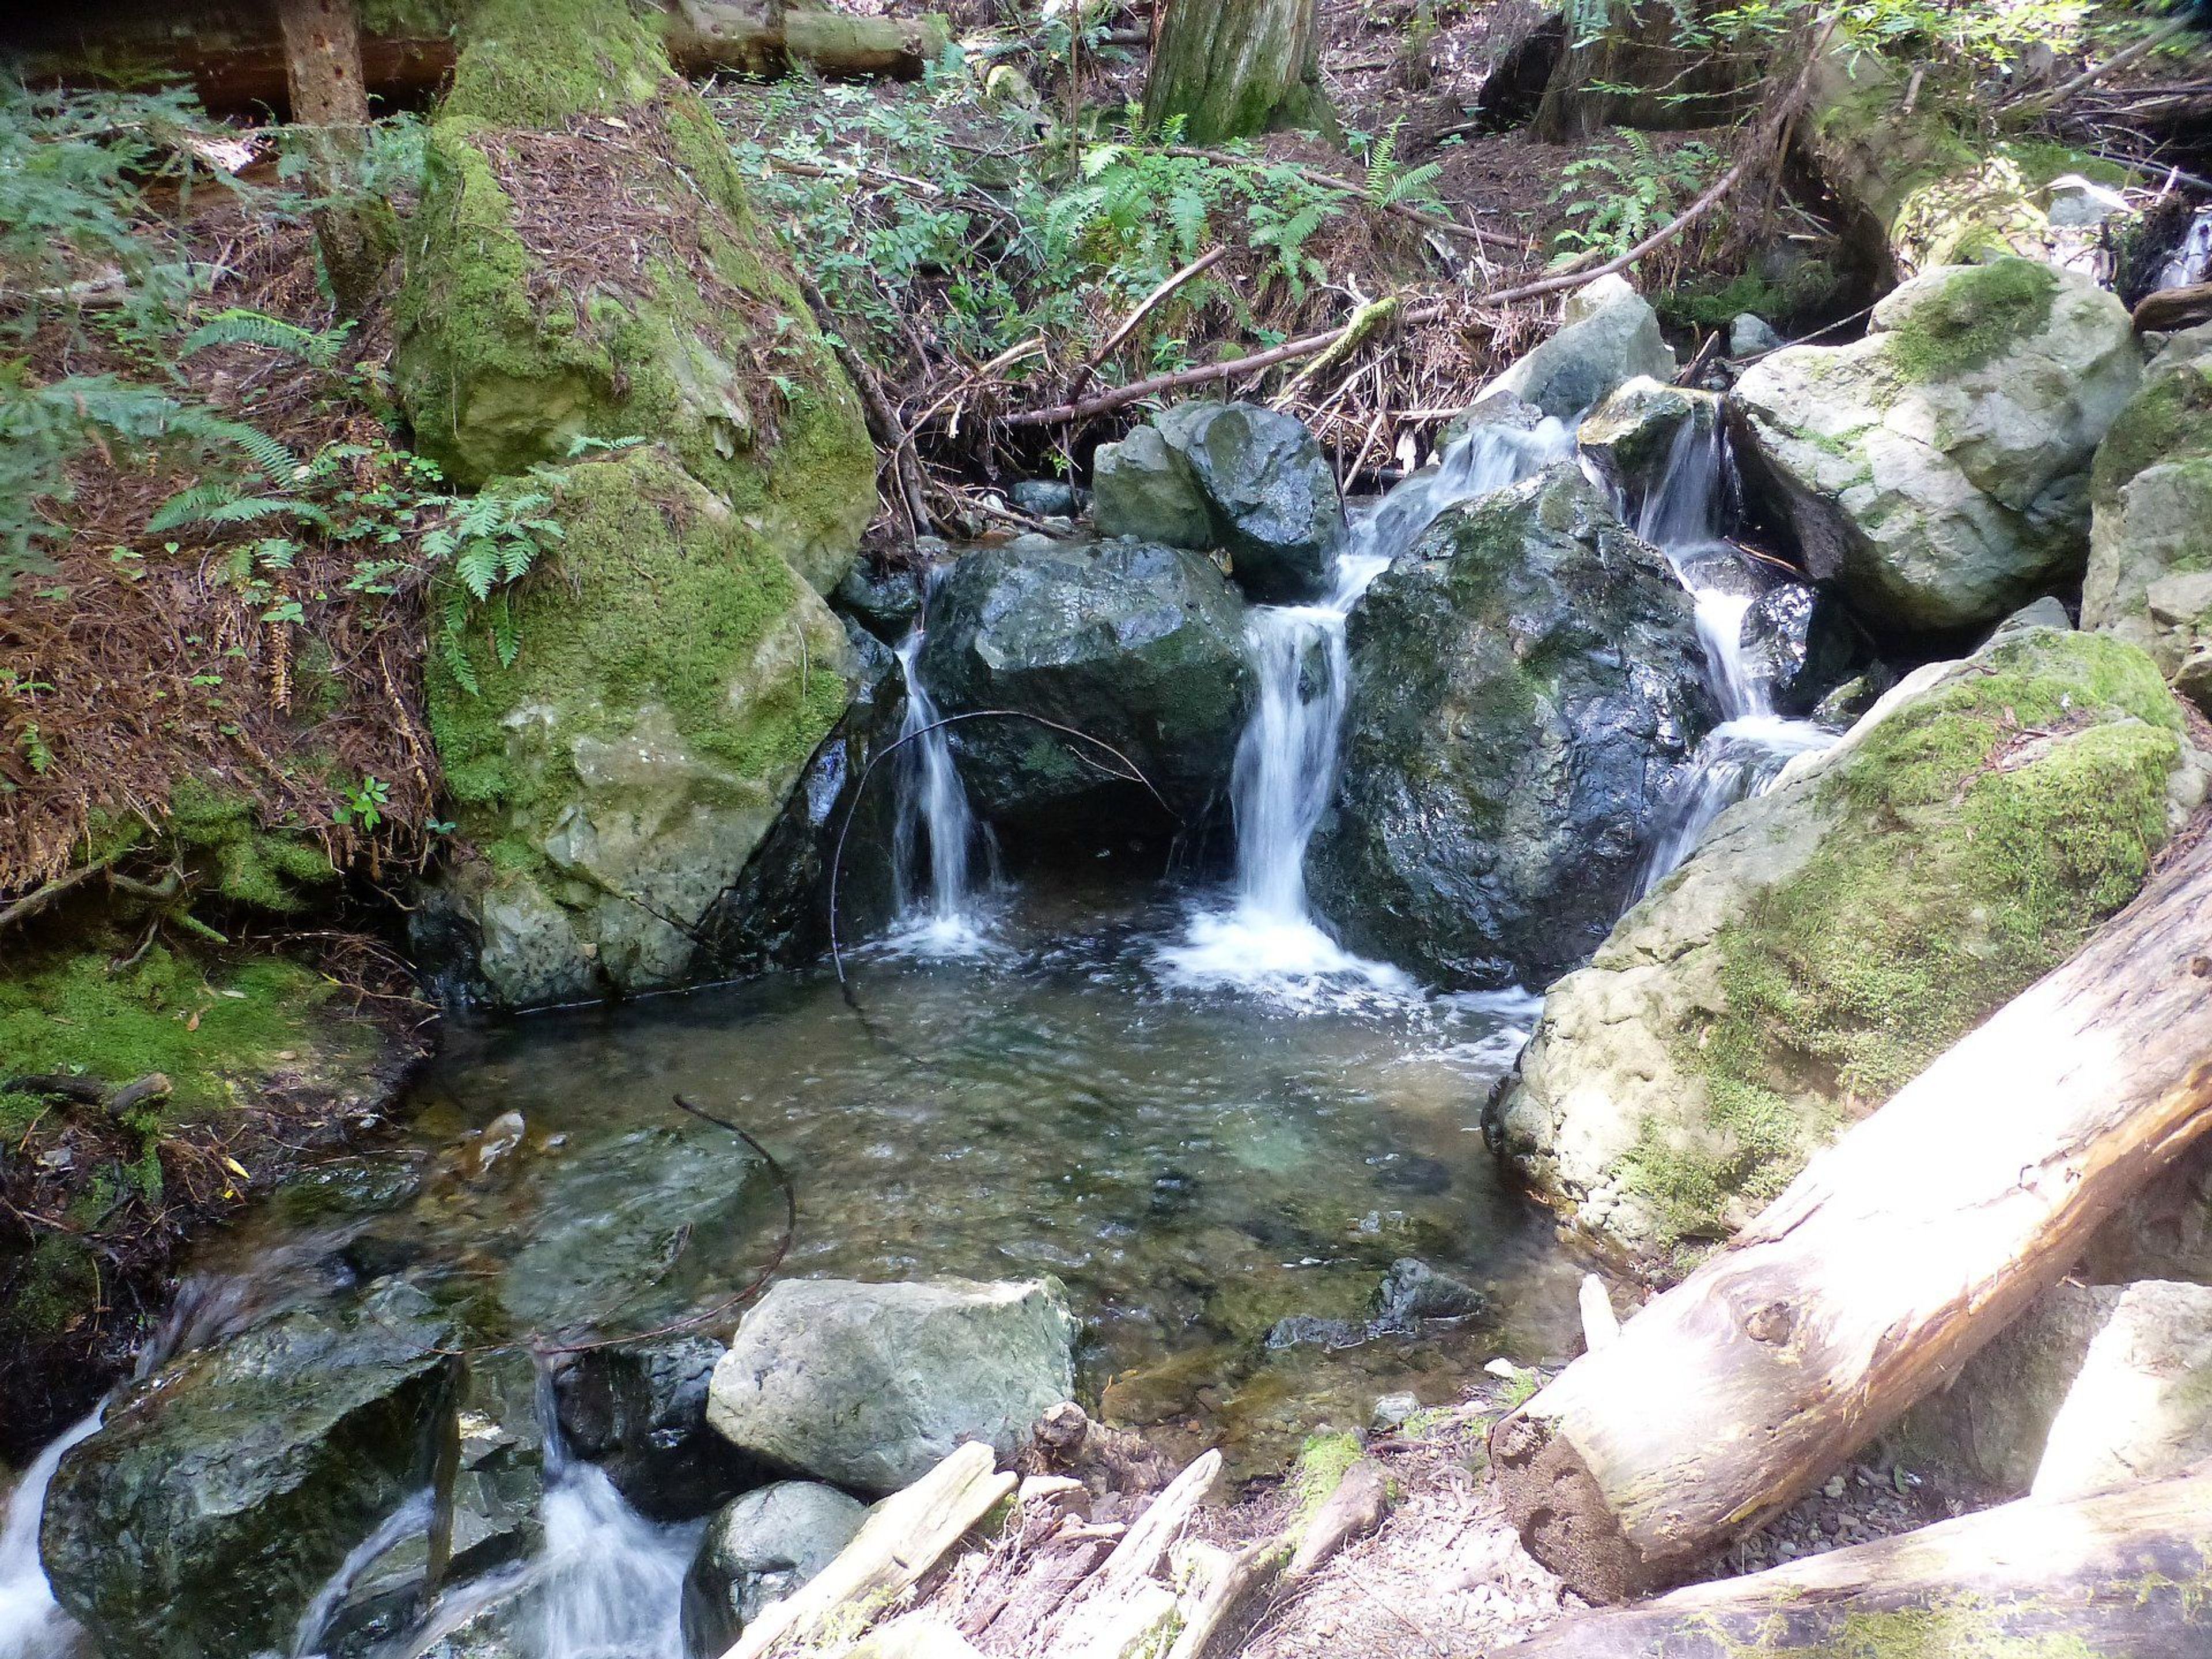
(1526, 687)
(2150, 539)
(222, 1492)
(1938, 469)
(1832, 937)
(1135, 645)
(585, 264)
(671, 676)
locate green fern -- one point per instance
(319, 348)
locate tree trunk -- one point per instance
(1638, 46)
(2116, 1574)
(236, 62)
(356, 238)
(322, 63)
(1234, 68)
(1894, 1256)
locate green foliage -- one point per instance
(237, 326)
(1617, 196)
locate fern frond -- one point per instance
(239, 326)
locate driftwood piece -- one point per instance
(2174, 307)
(1233, 1601)
(2120, 1575)
(905, 1537)
(1121, 1597)
(1886, 1263)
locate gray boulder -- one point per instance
(222, 1493)
(1526, 686)
(756, 1551)
(2150, 554)
(1608, 335)
(870, 1386)
(1137, 645)
(1140, 487)
(1629, 437)
(2141, 1406)
(1938, 469)
(883, 601)
(1268, 492)
(1751, 336)
(1830, 938)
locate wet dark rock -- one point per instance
(1269, 494)
(1801, 642)
(1527, 687)
(1143, 488)
(1138, 645)
(639, 1412)
(1413, 1291)
(1047, 498)
(777, 915)
(883, 601)
(1310, 1331)
(221, 1495)
(1410, 1172)
(756, 1551)
(499, 1478)
(348, 1187)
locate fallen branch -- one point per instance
(39, 898)
(1204, 262)
(2035, 103)
(883, 419)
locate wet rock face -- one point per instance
(1800, 644)
(1830, 938)
(1138, 645)
(870, 1386)
(639, 1412)
(1938, 469)
(1609, 335)
(1252, 482)
(757, 1551)
(200, 1521)
(2150, 554)
(1526, 685)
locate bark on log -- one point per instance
(2118, 1575)
(1886, 1265)
(1234, 68)
(1635, 70)
(2175, 307)
(236, 60)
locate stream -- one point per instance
(1218, 1128)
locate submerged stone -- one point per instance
(870, 1386)
(1526, 685)
(1830, 938)
(1938, 471)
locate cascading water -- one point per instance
(1744, 753)
(1286, 758)
(32, 1625)
(933, 808)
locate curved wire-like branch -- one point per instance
(1129, 773)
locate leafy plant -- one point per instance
(1617, 196)
(364, 803)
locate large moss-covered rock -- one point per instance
(869, 1386)
(2150, 539)
(585, 264)
(1526, 686)
(1139, 645)
(1832, 937)
(672, 675)
(201, 1519)
(1939, 469)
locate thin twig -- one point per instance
(2040, 101)
(1204, 262)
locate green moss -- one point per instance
(1706, 303)
(57, 1284)
(211, 1033)
(662, 597)
(221, 834)
(1970, 318)
(1982, 833)
(1966, 1627)
(2169, 419)
(542, 63)
(1323, 1461)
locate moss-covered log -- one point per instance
(2120, 1576)
(1888, 1263)
(235, 56)
(1233, 68)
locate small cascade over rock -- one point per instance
(1286, 759)
(32, 1624)
(937, 915)
(1681, 515)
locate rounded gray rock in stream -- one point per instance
(871, 1386)
(1526, 686)
(199, 1521)
(1136, 644)
(758, 1550)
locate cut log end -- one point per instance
(1562, 1515)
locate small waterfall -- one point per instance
(410, 1518)
(933, 807)
(1286, 759)
(2192, 262)
(1741, 756)
(32, 1624)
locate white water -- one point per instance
(31, 1626)
(2192, 260)
(939, 919)
(410, 1518)
(1269, 940)
(1744, 753)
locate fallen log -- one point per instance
(1895, 1255)
(2118, 1575)
(234, 54)
(2174, 307)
